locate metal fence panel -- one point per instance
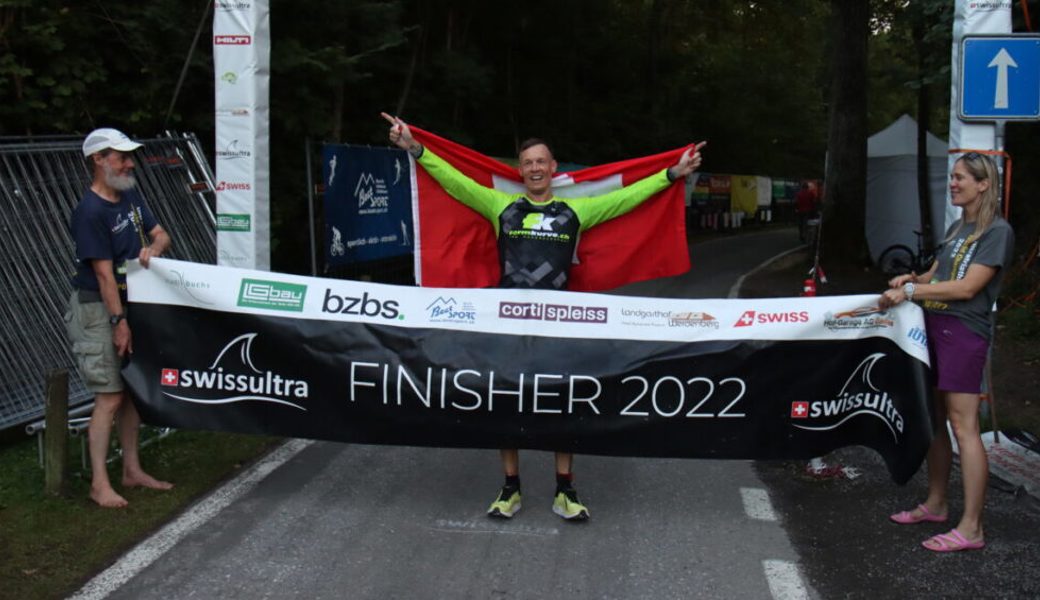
(41, 181)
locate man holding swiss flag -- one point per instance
(537, 235)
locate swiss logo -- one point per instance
(746, 320)
(170, 377)
(799, 410)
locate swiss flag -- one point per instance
(799, 410)
(746, 320)
(456, 247)
(170, 377)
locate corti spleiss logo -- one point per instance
(858, 398)
(277, 295)
(232, 377)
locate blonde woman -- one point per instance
(957, 294)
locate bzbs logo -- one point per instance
(227, 381)
(365, 306)
(277, 295)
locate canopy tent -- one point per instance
(893, 212)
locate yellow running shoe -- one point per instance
(507, 504)
(567, 506)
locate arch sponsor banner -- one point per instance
(790, 378)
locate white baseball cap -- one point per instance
(105, 138)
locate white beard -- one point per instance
(117, 182)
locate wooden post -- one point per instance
(56, 434)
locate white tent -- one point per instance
(893, 212)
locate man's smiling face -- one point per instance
(537, 168)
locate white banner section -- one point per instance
(241, 61)
(545, 313)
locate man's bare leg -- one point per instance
(98, 435)
(510, 461)
(564, 461)
(133, 474)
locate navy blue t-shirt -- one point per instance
(108, 231)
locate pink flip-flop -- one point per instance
(907, 517)
(951, 541)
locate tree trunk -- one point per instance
(924, 188)
(843, 238)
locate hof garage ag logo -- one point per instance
(865, 317)
(859, 397)
(233, 378)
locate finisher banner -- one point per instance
(792, 378)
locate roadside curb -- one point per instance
(780, 261)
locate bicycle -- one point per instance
(899, 259)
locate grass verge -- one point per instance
(49, 546)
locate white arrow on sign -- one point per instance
(1002, 61)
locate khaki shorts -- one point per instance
(91, 337)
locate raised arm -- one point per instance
(401, 135)
(689, 162)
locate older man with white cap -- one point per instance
(109, 226)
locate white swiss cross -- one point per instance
(746, 320)
(799, 410)
(169, 376)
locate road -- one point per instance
(353, 521)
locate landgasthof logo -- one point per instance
(858, 397)
(865, 317)
(449, 310)
(232, 40)
(276, 295)
(372, 195)
(232, 151)
(232, 378)
(751, 317)
(918, 337)
(693, 319)
(645, 317)
(234, 222)
(552, 312)
(229, 186)
(363, 306)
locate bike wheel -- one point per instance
(896, 260)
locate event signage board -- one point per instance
(368, 203)
(787, 378)
(1000, 77)
(241, 59)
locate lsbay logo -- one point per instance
(859, 397)
(449, 310)
(234, 222)
(227, 381)
(277, 295)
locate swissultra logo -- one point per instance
(232, 378)
(277, 295)
(751, 318)
(552, 312)
(363, 306)
(858, 398)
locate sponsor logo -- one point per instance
(539, 226)
(232, 152)
(232, 40)
(233, 5)
(865, 317)
(121, 223)
(365, 306)
(232, 112)
(799, 410)
(231, 378)
(188, 285)
(234, 222)
(858, 397)
(918, 337)
(538, 222)
(693, 319)
(448, 310)
(228, 258)
(230, 186)
(230, 78)
(276, 295)
(751, 317)
(372, 195)
(552, 312)
(991, 5)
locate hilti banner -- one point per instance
(241, 63)
(791, 378)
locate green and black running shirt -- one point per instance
(537, 240)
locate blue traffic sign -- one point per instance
(1000, 78)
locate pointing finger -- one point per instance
(392, 120)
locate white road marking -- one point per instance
(454, 526)
(757, 504)
(145, 553)
(784, 581)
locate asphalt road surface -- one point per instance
(328, 520)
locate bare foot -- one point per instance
(143, 479)
(107, 498)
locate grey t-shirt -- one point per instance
(993, 249)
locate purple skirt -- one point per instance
(958, 354)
